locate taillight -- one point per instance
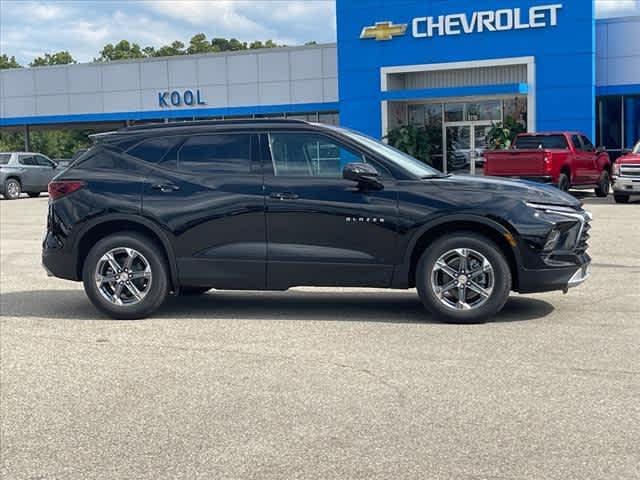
(548, 158)
(62, 188)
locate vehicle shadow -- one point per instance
(362, 306)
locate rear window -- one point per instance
(548, 142)
(153, 150)
(4, 158)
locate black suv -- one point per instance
(267, 205)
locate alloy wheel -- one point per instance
(13, 189)
(462, 279)
(123, 276)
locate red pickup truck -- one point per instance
(565, 159)
(626, 175)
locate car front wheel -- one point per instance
(604, 185)
(463, 278)
(621, 198)
(125, 276)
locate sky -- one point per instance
(29, 28)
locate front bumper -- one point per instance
(626, 185)
(553, 279)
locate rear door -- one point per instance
(592, 172)
(30, 175)
(206, 189)
(322, 229)
(583, 161)
(46, 171)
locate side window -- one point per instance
(216, 153)
(587, 145)
(43, 162)
(26, 160)
(310, 155)
(576, 142)
(153, 150)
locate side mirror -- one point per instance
(362, 173)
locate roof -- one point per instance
(200, 125)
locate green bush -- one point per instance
(502, 134)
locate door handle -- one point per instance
(165, 187)
(283, 195)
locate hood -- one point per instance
(629, 158)
(522, 189)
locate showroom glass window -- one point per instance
(216, 153)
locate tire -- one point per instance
(12, 189)
(193, 291)
(563, 182)
(149, 276)
(604, 185)
(621, 198)
(496, 283)
(33, 194)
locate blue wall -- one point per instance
(564, 56)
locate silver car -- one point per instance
(25, 172)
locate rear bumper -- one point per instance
(626, 185)
(57, 261)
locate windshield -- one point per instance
(406, 162)
(4, 158)
(636, 149)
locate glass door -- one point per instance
(459, 141)
(466, 145)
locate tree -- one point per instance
(8, 62)
(256, 44)
(199, 44)
(122, 50)
(58, 58)
(176, 48)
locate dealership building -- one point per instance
(454, 67)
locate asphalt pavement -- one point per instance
(320, 383)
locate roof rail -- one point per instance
(196, 123)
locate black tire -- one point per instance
(33, 194)
(604, 185)
(193, 291)
(501, 272)
(563, 182)
(621, 198)
(158, 287)
(12, 189)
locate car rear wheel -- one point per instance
(563, 182)
(604, 185)
(463, 278)
(125, 276)
(12, 189)
(621, 198)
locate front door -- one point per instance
(466, 143)
(322, 229)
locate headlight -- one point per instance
(616, 169)
(568, 225)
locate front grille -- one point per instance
(630, 170)
(582, 244)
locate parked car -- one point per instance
(626, 175)
(264, 205)
(564, 159)
(25, 172)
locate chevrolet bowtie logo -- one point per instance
(384, 31)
